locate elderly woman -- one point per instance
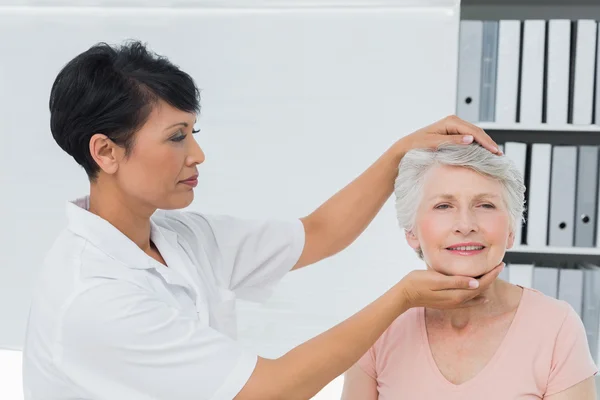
(458, 207)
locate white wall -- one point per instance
(296, 100)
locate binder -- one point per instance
(532, 71)
(597, 95)
(585, 211)
(539, 194)
(570, 288)
(585, 60)
(591, 307)
(469, 70)
(545, 280)
(517, 152)
(597, 237)
(507, 88)
(489, 60)
(558, 67)
(562, 196)
(521, 274)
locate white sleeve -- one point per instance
(252, 256)
(118, 341)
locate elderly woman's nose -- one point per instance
(465, 221)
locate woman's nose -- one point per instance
(465, 222)
(196, 155)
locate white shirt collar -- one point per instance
(109, 239)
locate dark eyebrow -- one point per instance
(184, 124)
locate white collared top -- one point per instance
(107, 321)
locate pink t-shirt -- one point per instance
(545, 351)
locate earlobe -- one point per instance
(103, 151)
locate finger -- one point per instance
(456, 126)
(487, 279)
(444, 282)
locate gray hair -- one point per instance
(415, 164)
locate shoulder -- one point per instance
(540, 310)
(192, 223)
(222, 227)
(539, 306)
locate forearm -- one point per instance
(305, 370)
(342, 218)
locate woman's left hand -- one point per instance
(448, 130)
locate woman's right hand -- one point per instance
(428, 288)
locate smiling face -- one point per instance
(462, 225)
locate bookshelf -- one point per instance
(522, 127)
(542, 133)
(530, 9)
(546, 87)
(553, 256)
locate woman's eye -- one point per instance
(195, 130)
(179, 136)
(487, 205)
(442, 206)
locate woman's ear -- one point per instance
(412, 240)
(511, 240)
(105, 152)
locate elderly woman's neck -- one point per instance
(501, 299)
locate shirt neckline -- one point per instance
(106, 237)
(489, 366)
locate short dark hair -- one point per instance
(112, 90)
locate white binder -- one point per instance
(532, 71)
(545, 280)
(597, 112)
(585, 207)
(562, 196)
(585, 60)
(489, 64)
(507, 79)
(591, 307)
(521, 274)
(469, 70)
(570, 288)
(539, 194)
(557, 85)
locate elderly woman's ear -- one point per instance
(511, 240)
(412, 240)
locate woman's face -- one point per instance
(159, 172)
(462, 224)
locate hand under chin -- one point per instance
(469, 271)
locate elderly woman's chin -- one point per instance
(472, 266)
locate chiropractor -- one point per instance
(136, 300)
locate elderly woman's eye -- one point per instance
(442, 206)
(488, 205)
